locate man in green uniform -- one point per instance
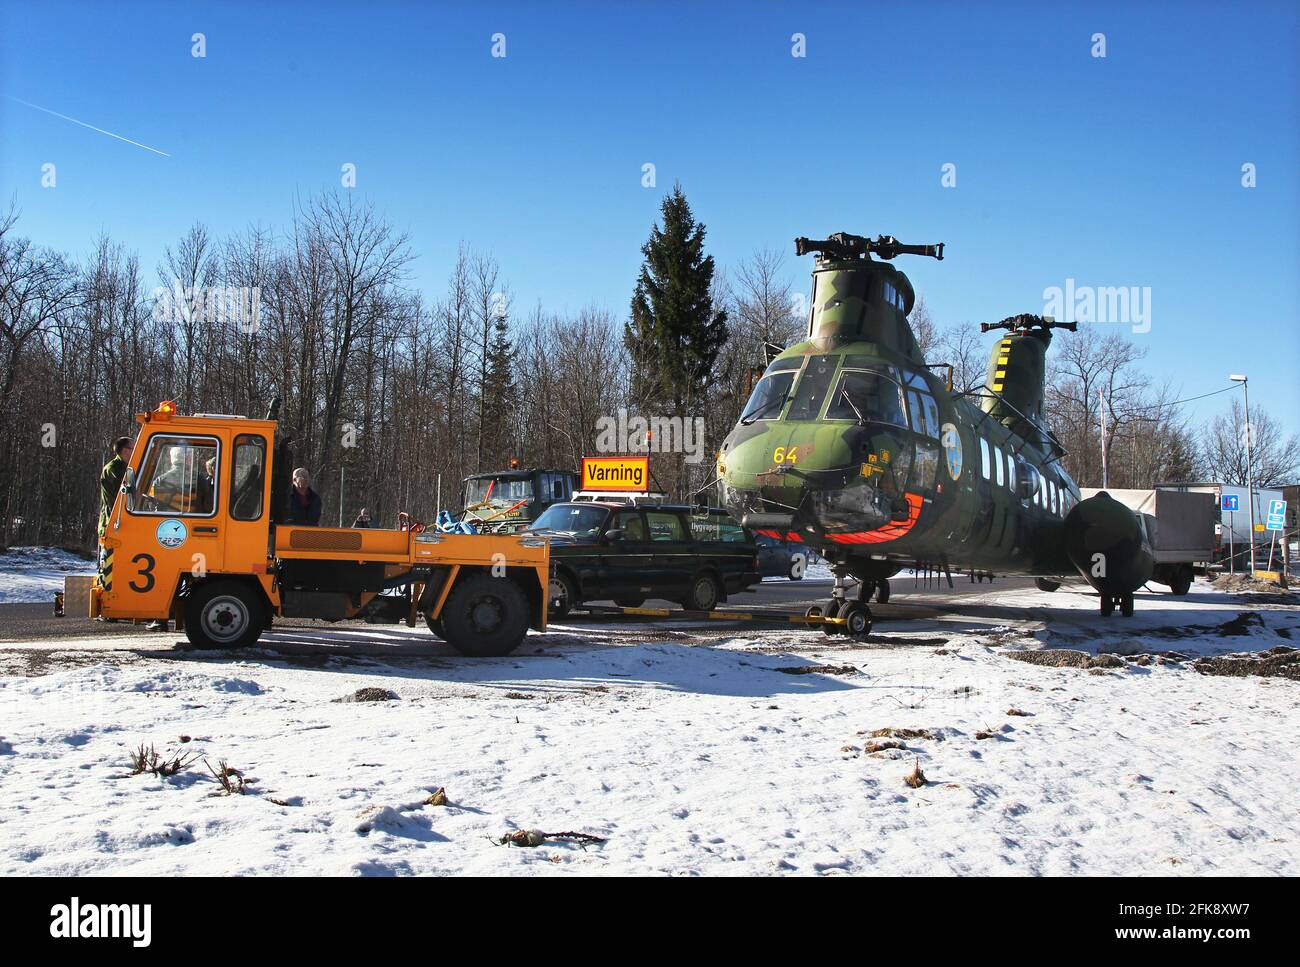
(110, 479)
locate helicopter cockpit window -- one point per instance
(813, 385)
(867, 395)
(768, 398)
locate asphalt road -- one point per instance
(36, 622)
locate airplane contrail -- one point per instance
(85, 125)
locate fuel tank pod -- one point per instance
(1108, 545)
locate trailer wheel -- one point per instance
(1182, 581)
(224, 614)
(485, 616)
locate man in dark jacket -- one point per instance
(110, 479)
(304, 503)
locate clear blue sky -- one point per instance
(1117, 171)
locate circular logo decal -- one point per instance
(951, 441)
(172, 533)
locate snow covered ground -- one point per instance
(690, 749)
(33, 574)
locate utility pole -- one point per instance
(1250, 487)
(1101, 405)
(340, 495)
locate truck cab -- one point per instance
(506, 501)
(192, 538)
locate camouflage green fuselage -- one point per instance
(851, 445)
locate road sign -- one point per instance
(1276, 515)
(1231, 502)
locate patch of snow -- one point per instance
(699, 755)
(31, 575)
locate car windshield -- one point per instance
(867, 395)
(571, 519)
(768, 397)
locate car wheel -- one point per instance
(564, 597)
(485, 616)
(704, 594)
(224, 614)
(798, 564)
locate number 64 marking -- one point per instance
(146, 563)
(782, 455)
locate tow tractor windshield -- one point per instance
(488, 495)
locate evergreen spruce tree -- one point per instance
(675, 333)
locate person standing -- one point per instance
(304, 503)
(110, 479)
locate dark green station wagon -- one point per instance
(616, 551)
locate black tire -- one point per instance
(1182, 582)
(629, 602)
(485, 616)
(798, 564)
(1043, 584)
(704, 593)
(224, 614)
(564, 596)
(882, 590)
(1107, 605)
(435, 625)
(857, 620)
(814, 611)
(1126, 605)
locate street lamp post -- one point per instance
(1250, 488)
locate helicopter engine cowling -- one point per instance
(1108, 545)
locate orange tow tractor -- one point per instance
(192, 537)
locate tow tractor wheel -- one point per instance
(435, 625)
(882, 590)
(223, 614)
(564, 596)
(1126, 604)
(485, 616)
(832, 610)
(1107, 605)
(857, 620)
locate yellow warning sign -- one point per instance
(615, 473)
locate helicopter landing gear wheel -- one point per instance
(1107, 605)
(857, 620)
(831, 610)
(882, 590)
(1126, 604)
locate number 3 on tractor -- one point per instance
(782, 455)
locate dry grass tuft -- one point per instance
(148, 760)
(1016, 711)
(883, 746)
(904, 734)
(439, 797)
(231, 779)
(916, 778)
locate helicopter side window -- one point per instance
(868, 395)
(984, 458)
(997, 464)
(811, 390)
(1011, 473)
(768, 398)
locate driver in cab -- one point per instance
(177, 490)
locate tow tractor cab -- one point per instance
(194, 536)
(506, 501)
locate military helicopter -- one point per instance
(852, 444)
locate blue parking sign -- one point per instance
(1276, 515)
